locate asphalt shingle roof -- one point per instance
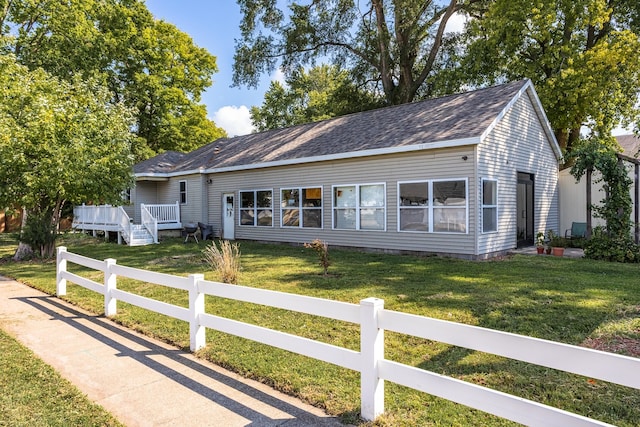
(630, 144)
(448, 118)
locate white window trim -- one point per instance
(482, 206)
(186, 194)
(255, 208)
(358, 207)
(302, 208)
(431, 206)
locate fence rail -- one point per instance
(369, 361)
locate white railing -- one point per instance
(125, 226)
(369, 361)
(149, 222)
(96, 215)
(165, 214)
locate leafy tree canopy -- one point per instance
(60, 141)
(582, 56)
(394, 46)
(148, 64)
(319, 94)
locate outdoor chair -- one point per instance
(206, 231)
(578, 230)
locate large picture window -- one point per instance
(256, 208)
(489, 206)
(301, 207)
(436, 206)
(359, 207)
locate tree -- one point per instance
(581, 55)
(148, 64)
(61, 141)
(394, 46)
(319, 94)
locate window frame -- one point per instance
(301, 208)
(255, 208)
(358, 207)
(182, 193)
(495, 206)
(431, 207)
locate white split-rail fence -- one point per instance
(373, 319)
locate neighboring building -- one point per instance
(471, 175)
(573, 200)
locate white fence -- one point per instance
(369, 361)
(164, 214)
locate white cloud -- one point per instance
(278, 76)
(456, 23)
(235, 120)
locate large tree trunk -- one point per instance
(24, 251)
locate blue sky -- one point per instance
(214, 25)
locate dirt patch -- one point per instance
(620, 345)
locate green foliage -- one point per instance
(321, 93)
(598, 154)
(581, 56)
(224, 260)
(60, 142)
(393, 47)
(148, 64)
(40, 233)
(605, 247)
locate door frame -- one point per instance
(528, 211)
(228, 217)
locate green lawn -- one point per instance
(569, 300)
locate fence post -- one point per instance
(197, 332)
(372, 350)
(61, 266)
(110, 303)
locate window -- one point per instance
(359, 207)
(301, 207)
(183, 192)
(433, 206)
(414, 206)
(256, 208)
(489, 206)
(449, 206)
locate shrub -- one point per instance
(322, 248)
(40, 233)
(601, 246)
(225, 260)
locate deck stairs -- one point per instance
(140, 236)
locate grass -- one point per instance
(574, 301)
(33, 394)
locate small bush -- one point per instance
(225, 260)
(322, 248)
(604, 247)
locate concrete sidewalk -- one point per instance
(143, 382)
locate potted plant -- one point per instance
(540, 242)
(556, 243)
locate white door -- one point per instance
(228, 216)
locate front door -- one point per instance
(228, 216)
(525, 210)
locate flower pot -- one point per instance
(540, 250)
(547, 250)
(557, 251)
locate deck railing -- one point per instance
(373, 319)
(106, 215)
(168, 213)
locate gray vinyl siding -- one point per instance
(169, 193)
(518, 143)
(143, 192)
(387, 169)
